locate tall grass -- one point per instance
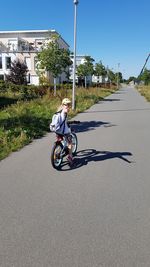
(145, 91)
(22, 122)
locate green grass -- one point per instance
(22, 122)
(145, 91)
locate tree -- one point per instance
(54, 59)
(111, 76)
(145, 76)
(118, 77)
(86, 69)
(82, 72)
(100, 70)
(18, 73)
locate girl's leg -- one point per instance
(70, 156)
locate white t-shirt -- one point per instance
(58, 121)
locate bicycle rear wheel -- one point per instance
(56, 155)
(74, 143)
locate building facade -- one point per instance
(25, 45)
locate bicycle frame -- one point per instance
(63, 141)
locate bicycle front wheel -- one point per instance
(74, 143)
(56, 155)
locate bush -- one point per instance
(3, 87)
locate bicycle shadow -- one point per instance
(83, 157)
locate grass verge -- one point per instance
(145, 91)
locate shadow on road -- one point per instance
(83, 157)
(110, 100)
(85, 126)
(117, 110)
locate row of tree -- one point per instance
(99, 70)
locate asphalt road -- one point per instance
(95, 215)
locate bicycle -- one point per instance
(60, 147)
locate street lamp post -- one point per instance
(118, 76)
(74, 61)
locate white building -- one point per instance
(99, 79)
(80, 59)
(25, 45)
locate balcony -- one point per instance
(20, 47)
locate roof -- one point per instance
(34, 31)
(28, 31)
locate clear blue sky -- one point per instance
(113, 31)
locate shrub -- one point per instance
(3, 87)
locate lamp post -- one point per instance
(118, 76)
(74, 61)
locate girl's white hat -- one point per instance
(66, 101)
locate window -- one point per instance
(28, 62)
(28, 78)
(13, 44)
(0, 62)
(8, 62)
(35, 63)
(39, 42)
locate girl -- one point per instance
(61, 125)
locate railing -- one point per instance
(20, 49)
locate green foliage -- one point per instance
(86, 68)
(3, 86)
(22, 122)
(54, 59)
(118, 77)
(100, 69)
(81, 70)
(18, 72)
(145, 77)
(89, 65)
(12, 93)
(43, 80)
(111, 76)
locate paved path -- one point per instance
(96, 215)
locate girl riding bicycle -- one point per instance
(61, 126)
